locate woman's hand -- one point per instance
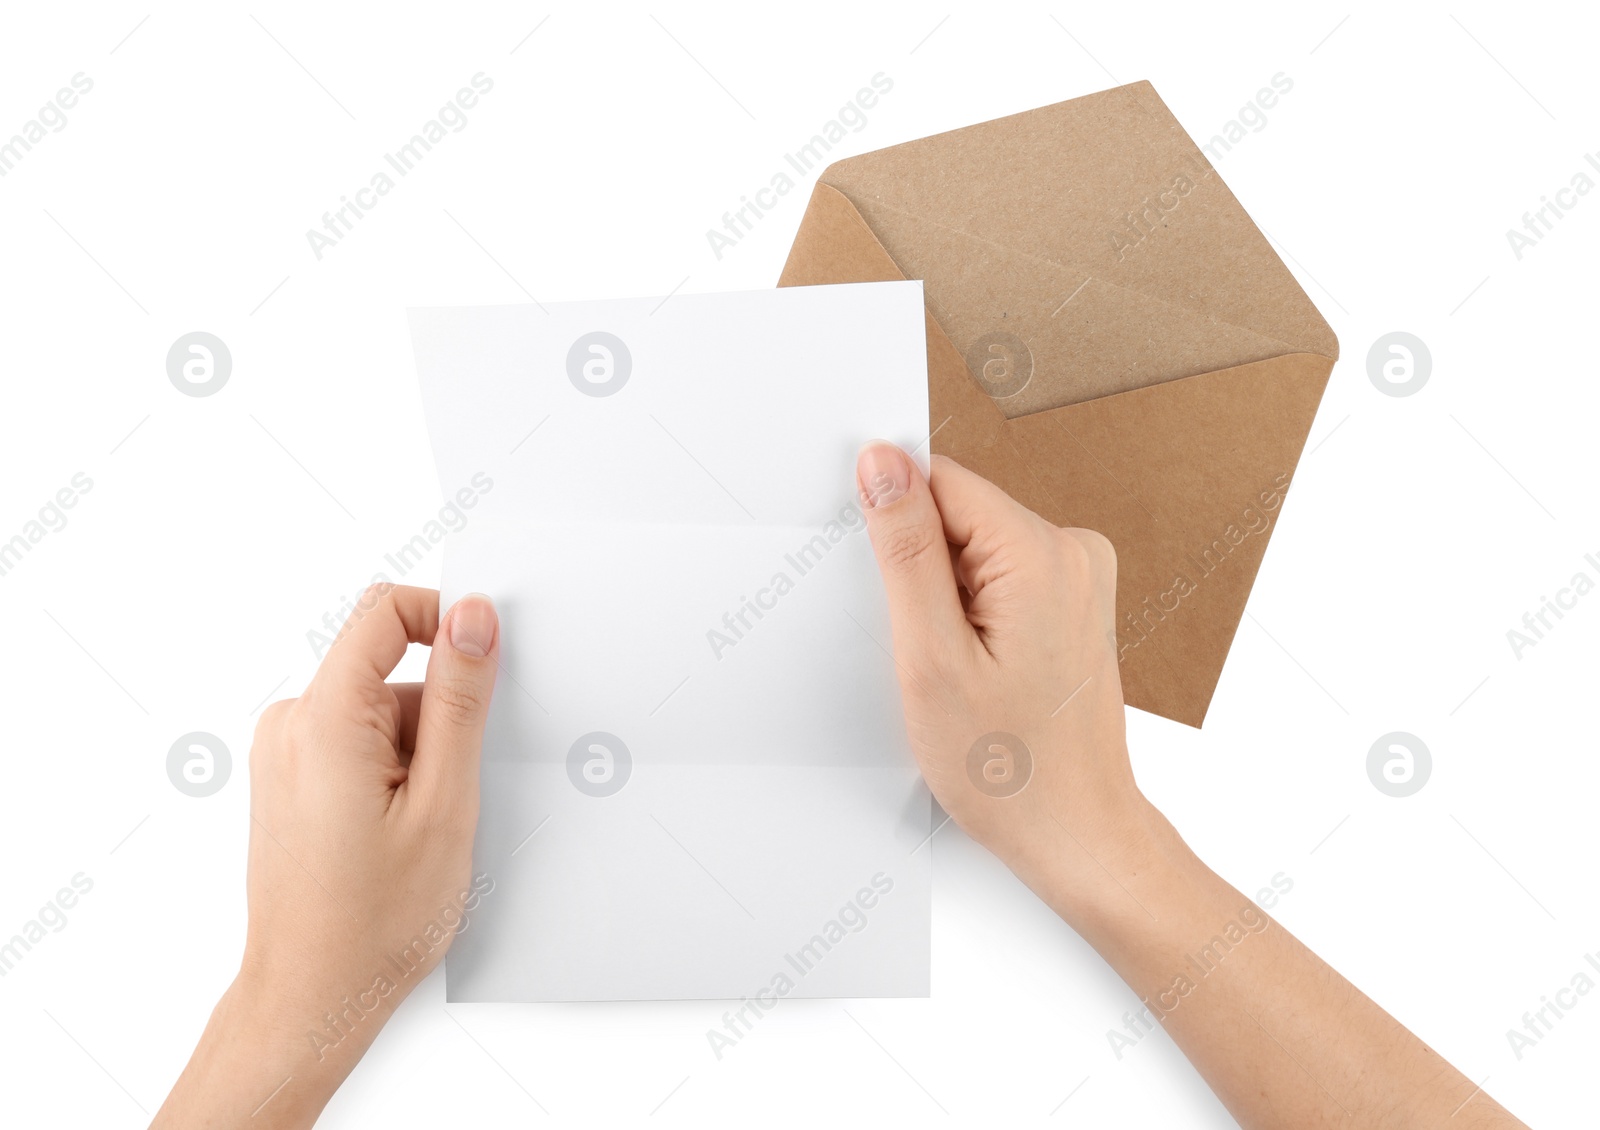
(1003, 636)
(364, 802)
(1008, 672)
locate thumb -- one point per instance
(455, 703)
(913, 556)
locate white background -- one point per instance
(219, 530)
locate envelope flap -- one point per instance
(1107, 186)
(1065, 335)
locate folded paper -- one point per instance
(696, 781)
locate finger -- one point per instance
(1100, 550)
(455, 705)
(972, 507)
(384, 622)
(909, 541)
(999, 538)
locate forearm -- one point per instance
(1279, 1035)
(255, 1066)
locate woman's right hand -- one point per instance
(1005, 645)
(1003, 636)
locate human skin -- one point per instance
(364, 799)
(1004, 623)
(363, 803)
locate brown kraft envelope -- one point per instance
(1110, 339)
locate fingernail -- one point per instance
(883, 474)
(473, 625)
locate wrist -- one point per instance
(263, 1037)
(1107, 874)
(252, 1065)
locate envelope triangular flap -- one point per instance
(1086, 337)
(1005, 221)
